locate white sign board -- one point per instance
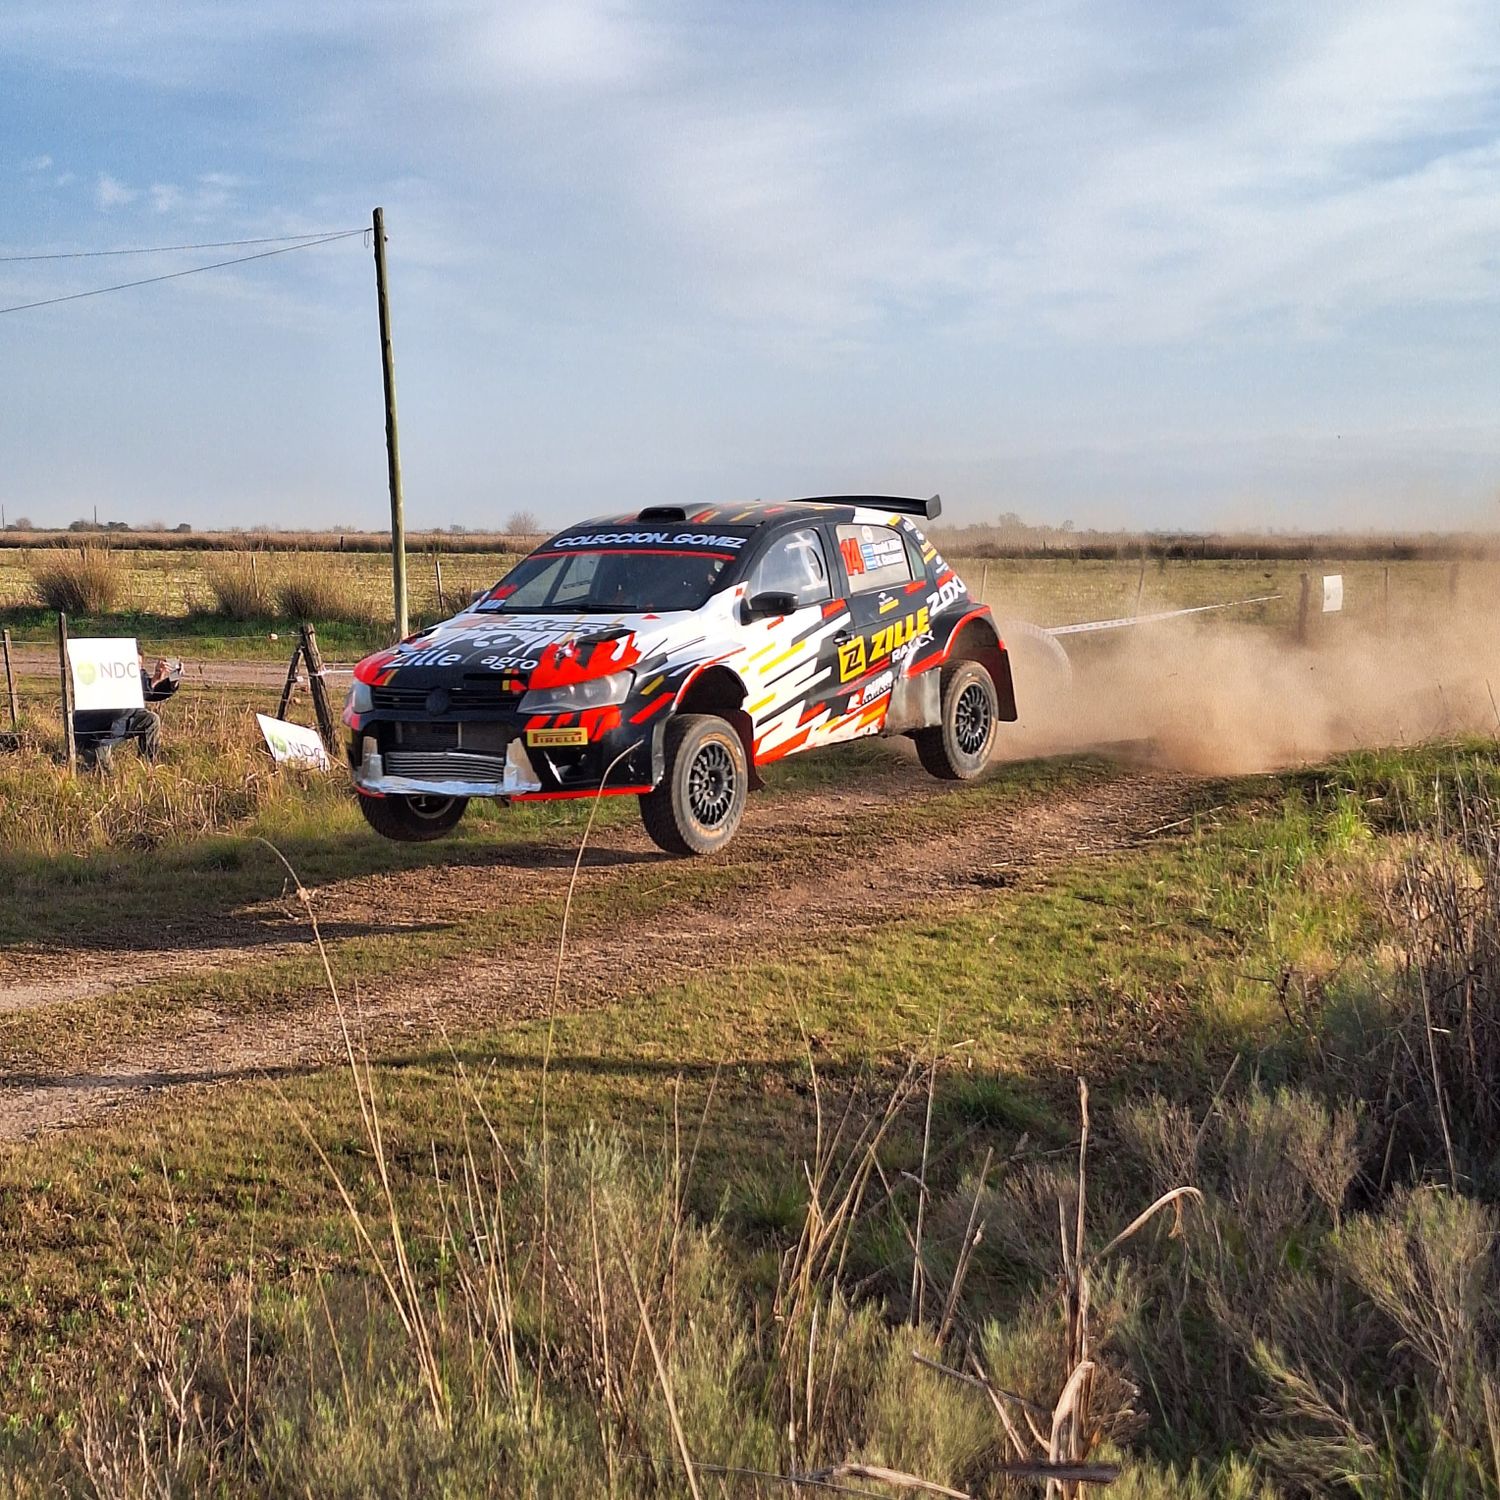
(106, 674)
(1333, 593)
(293, 742)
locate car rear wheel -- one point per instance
(958, 748)
(413, 820)
(701, 798)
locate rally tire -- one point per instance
(413, 820)
(698, 804)
(959, 747)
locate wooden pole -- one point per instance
(10, 687)
(291, 681)
(1388, 599)
(69, 741)
(1304, 605)
(984, 582)
(1140, 583)
(392, 445)
(322, 708)
(437, 574)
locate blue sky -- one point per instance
(1125, 264)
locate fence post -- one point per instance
(10, 687)
(1304, 604)
(322, 709)
(437, 573)
(291, 681)
(69, 740)
(1387, 596)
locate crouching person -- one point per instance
(99, 732)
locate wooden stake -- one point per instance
(291, 681)
(437, 573)
(10, 687)
(69, 740)
(322, 708)
(392, 445)
(1387, 600)
(1304, 604)
(984, 582)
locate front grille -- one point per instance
(464, 699)
(444, 765)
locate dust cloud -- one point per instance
(1230, 698)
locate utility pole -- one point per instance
(392, 446)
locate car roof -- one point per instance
(869, 509)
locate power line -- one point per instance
(267, 239)
(217, 265)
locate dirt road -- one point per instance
(780, 902)
(31, 661)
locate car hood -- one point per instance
(540, 650)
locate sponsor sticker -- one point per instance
(556, 737)
(894, 641)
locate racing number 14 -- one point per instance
(864, 652)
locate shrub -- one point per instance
(90, 581)
(315, 590)
(239, 590)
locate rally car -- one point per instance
(670, 654)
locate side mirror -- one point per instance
(773, 604)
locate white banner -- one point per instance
(106, 674)
(293, 742)
(1333, 593)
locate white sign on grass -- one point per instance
(106, 674)
(293, 742)
(1333, 593)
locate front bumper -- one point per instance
(407, 758)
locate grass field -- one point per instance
(167, 602)
(189, 1295)
(670, 1206)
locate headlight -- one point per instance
(361, 698)
(597, 692)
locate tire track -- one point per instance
(782, 905)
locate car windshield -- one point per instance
(611, 581)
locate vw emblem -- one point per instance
(438, 700)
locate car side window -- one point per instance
(796, 565)
(874, 558)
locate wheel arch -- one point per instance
(975, 638)
(716, 689)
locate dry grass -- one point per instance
(316, 589)
(214, 775)
(89, 581)
(239, 587)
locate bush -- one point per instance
(312, 590)
(90, 581)
(239, 590)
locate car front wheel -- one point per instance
(701, 798)
(413, 820)
(959, 747)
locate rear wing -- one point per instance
(930, 508)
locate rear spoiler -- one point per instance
(930, 508)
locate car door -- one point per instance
(792, 659)
(886, 594)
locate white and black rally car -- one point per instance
(673, 652)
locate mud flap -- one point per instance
(916, 703)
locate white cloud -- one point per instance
(110, 193)
(39, 164)
(165, 197)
